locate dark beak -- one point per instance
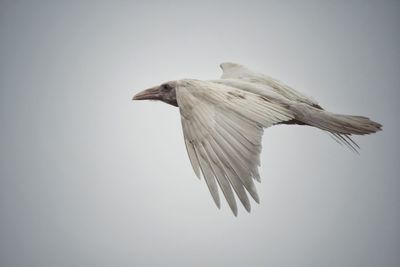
(152, 93)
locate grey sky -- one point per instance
(90, 178)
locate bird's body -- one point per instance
(223, 122)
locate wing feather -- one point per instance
(219, 174)
(207, 173)
(239, 72)
(250, 158)
(223, 128)
(232, 177)
(193, 158)
(233, 159)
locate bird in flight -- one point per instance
(223, 122)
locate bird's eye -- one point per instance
(166, 87)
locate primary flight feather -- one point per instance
(223, 122)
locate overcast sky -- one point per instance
(90, 178)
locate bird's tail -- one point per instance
(340, 126)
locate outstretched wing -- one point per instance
(223, 127)
(237, 71)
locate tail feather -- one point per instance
(340, 127)
(347, 124)
(345, 140)
(336, 123)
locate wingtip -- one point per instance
(256, 197)
(218, 203)
(198, 175)
(228, 65)
(248, 208)
(235, 212)
(253, 192)
(257, 177)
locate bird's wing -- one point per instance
(240, 72)
(240, 77)
(223, 127)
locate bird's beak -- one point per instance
(151, 93)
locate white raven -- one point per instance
(223, 122)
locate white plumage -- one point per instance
(223, 122)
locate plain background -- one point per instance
(90, 178)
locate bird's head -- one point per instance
(165, 92)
